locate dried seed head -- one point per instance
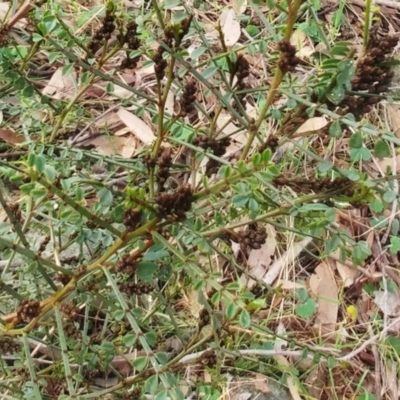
(28, 310)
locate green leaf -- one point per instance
(332, 244)
(256, 305)
(155, 254)
(356, 140)
(244, 319)
(381, 149)
(252, 205)
(395, 343)
(209, 72)
(168, 4)
(240, 200)
(196, 53)
(252, 30)
(162, 358)
(151, 385)
(307, 309)
(117, 213)
(145, 270)
(140, 363)
(256, 159)
(129, 339)
(389, 196)
(335, 130)
(232, 286)
(163, 395)
(325, 166)
(67, 69)
(151, 338)
(366, 396)
(394, 245)
(361, 251)
(231, 310)
(105, 197)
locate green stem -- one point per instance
(292, 15)
(367, 22)
(68, 108)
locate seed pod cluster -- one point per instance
(127, 264)
(306, 185)
(271, 143)
(134, 394)
(188, 98)
(139, 288)
(81, 270)
(71, 330)
(208, 358)
(254, 237)
(70, 311)
(217, 147)
(242, 70)
(288, 60)
(8, 345)
(173, 206)
(43, 245)
(60, 277)
(204, 318)
(103, 33)
(131, 218)
(164, 163)
(371, 77)
(172, 37)
(131, 39)
(28, 310)
(14, 207)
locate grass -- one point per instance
(196, 193)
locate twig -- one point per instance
(86, 128)
(370, 341)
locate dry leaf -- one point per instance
(107, 145)
(286, 259)
(129, 147)
(261, 384)
(260, 259)
(10, 136)
(389, 303)
(347, 273)
(239, 6)
(61, 87)
(141, 130)
(170, 102)
(394, 118)
(323, 284)
(312, 125)
(230, 27)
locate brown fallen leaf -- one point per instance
(139, 128)
(312, 125)
(9, 136)
(323, 285)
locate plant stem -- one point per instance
(253, 129)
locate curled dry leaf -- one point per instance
(323, 284)
(230, 27)
(140, 129)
